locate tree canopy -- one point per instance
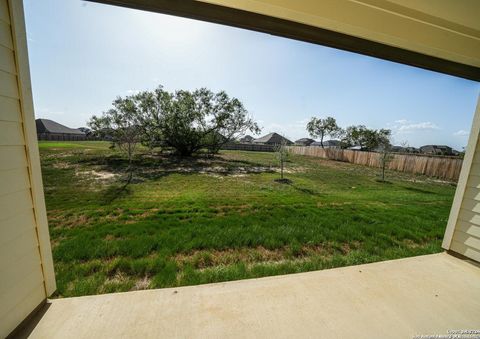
(368, 139)
(120, 124)
(186, 121)
(319, 128)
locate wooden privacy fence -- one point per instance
(439, 167)
(249, 147)
(61, 137)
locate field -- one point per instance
(200, 220)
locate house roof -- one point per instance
(332, 143)
(272, 138)
(50, 126)
(305, 140)
(247, 138)
(436, 146)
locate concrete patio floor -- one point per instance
(393, 299)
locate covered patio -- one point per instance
(424, 295)
(430, 294)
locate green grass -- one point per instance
(199, 220)
(52, 145)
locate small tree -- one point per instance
(378, 139)
(385, 158)
(120, 124)
(385, 148)
(319, 128)
(282, 154)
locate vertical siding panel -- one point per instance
(5, 34)
(10, 109)
(15, 155)
(4, 12)
(13, 203)
(8, 85)
(462, 233)
(11, 134)
(25, 260)
(13, 227)
(14, 180)
(7, 60)
(23, 308)
(19, 35)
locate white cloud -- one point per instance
(461, 133)
(133, 91)
(404, 126)
(419, 126)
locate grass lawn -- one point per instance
(200, 220)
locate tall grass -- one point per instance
(202, 220)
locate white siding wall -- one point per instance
(24, 270)
(463, 230)
(466, 237)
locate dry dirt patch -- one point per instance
(61, 165)
(205, 259)
(142, 284)
(97, 175)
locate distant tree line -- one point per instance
(366, 138)
(184, 121)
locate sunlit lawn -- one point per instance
(200, 220)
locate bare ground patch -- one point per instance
(61, 165)
(70, 221)
(142, 284)
(206, 259)
(97, 175)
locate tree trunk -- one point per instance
(384, 164)
(281, 169)
(130, 168)
(321, 141)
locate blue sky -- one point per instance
(83, 55)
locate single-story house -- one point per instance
(85, 130)
(398, 149)
(272, 139)
(402, 149)
(51, 130)
(304, 142)
(436, 150)
(455, 152)
(246, 139)
(328, 144)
